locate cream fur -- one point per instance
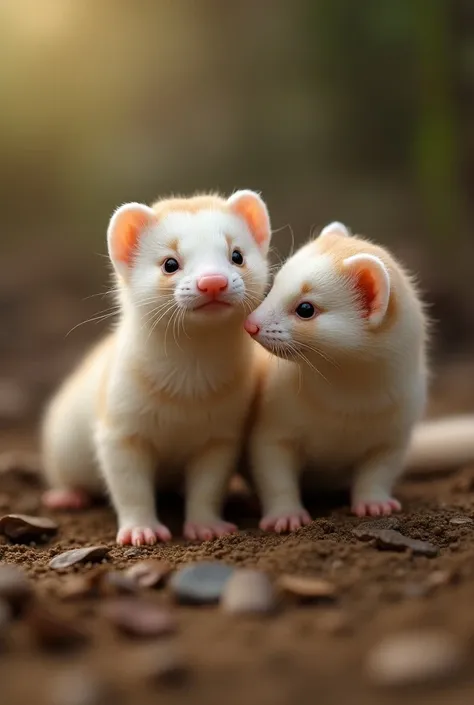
(350, 384)
(167, 394)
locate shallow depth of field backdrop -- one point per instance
(360, 111)
(356, 111)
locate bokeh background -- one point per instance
(333, 109)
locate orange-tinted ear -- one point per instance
(372, 283)
(125, 227)
(335, 228)
(249, 206)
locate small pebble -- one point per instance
(15, 588)
(249, 592)
(307, 587)
(148, 574)
(395, 541)
(200, 583)
(132, 553)
(24, 528)
(139, 618)
(441, 577)
(78, 555)
(459, 521)
(413, 658)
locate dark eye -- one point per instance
(305, 310)
(237, 258)
(170, 265)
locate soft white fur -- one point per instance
(342, 400)
(176, 383)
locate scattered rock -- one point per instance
(15, 588)
(460, 520)
(200, 583)
(78, 555)
(79, 687)
(249, 592)
(395, 541)
(139, 618)
(52, 631)
(306, 587)
(439, 578)
(414, 658)
(148, 574)
(23, 528)
(162, 664)
(132, 553)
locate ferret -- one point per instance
(442, 444)
(346, 381)
(166, 395)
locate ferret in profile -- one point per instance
(339, 405)
(167, 393)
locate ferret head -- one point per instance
(333, 297)
(201, 259)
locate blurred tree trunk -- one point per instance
(435, 148)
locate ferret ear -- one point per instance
(335, 228)
(125, 228)
(249, 206)
(372, 282)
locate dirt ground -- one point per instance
(302, 653)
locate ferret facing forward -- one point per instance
(348, 315)
(169, 391)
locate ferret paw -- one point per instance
(66, 499)
(143, 535)
(207, 530)
(376, 508)
(282, 523)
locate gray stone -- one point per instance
(200, 583)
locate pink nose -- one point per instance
(212, 284)
(251, 328)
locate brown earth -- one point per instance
(302, 654)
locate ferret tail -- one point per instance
(441, 444)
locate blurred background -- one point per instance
(333, 109)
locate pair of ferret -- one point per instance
(324, 379)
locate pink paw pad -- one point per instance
(66, 499)
(143, 535)
(283, 523)
(195, 531)
(376, 508)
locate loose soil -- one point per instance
(302, 654)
